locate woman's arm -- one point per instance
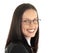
(16, 48)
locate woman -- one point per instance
(24, 32)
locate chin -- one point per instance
(32, 35)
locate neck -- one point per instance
(28, 40)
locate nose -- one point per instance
(31, 24)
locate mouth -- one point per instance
(31, 30)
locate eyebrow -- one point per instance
(29, 19)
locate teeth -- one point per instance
(31, 30)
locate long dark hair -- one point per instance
(15, 33)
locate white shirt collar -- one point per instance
(28, 40)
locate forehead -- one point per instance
(29, 14)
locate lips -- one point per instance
(30, 30)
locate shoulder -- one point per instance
(16, 48)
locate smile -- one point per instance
(31, 30)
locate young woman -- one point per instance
(24, 32)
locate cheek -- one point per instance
(24, 28)
(26, 33)
(37, 26)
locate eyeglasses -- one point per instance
(27, 22)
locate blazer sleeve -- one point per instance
(15, 48)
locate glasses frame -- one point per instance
(27, 21)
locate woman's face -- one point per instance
(29, 23)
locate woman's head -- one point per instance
(24, 23)
(29, 23)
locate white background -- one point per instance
(49, 13)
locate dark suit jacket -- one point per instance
(21, 47)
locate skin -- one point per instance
(29, 30)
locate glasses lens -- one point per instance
(35, 21)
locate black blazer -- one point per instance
(21, 47)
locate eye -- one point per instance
(25, 20)
(35, 20)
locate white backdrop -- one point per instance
(49, 13)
